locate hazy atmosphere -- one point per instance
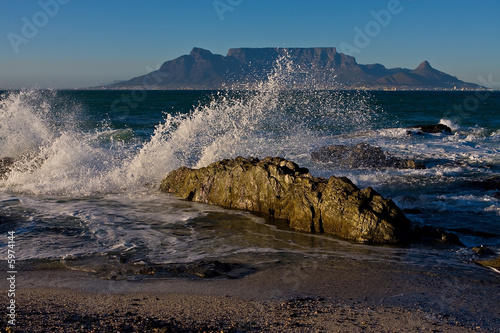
(76, 43)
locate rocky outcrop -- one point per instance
(281, 189)
(362, 155)
(439, 128)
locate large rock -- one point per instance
(281, 189)
(362, 155)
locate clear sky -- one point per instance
(81, 43)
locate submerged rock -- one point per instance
(281, 189)
(362, 155)
(482, 250)
(202, 269)
(489, 184)
(430, 233)
(206, 269)
(439, 128)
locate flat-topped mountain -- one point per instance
(241, 67)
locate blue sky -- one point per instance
(80, 43)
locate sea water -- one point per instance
(83, 192)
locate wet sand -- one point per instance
(339, 296)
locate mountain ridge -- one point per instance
(242, 67)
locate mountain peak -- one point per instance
(425, 65)
(197, 51)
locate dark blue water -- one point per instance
(84, 190)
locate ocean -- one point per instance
(83, 193)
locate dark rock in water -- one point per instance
(492, 183)
(434, 234)
(488, 184)
(362, 155)
(5, 166)
(281, 189)
(203, 269)
(483, 250)
(439, 128)
(493, 263)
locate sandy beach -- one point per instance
(337, 296)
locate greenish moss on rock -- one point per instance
(493, 263)
(281, 189)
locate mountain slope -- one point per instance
(201, 69)
(423, 75)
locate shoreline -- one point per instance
(338, 295)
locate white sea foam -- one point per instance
(448, 122)
(24, 122)
(493, 208)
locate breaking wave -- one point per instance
(55, 155)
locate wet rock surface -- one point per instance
(206, 269)
(439, 128)
(492, 263)
(281, 189)
(482, 250)
(362, 155)
(429, 233)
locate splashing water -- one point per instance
(24, 122)
(52, 154)
(56, 156)
(271, 119)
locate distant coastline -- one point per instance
(310, 68)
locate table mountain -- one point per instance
(325, 67)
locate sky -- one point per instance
(81, 43)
